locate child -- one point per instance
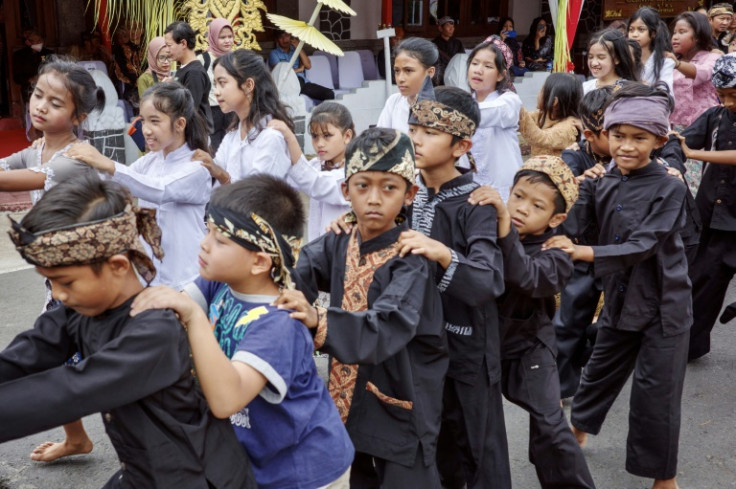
(639, 211)
(415, 60)
(384, 326)
(258, 368)
(713, 267)
(331, 127)
(646, 27)
(461, 237)
(544, 191)
(243, 86)
(495, 143)
(609, 60)
(166, 179)
(553, 126)
(83, 236)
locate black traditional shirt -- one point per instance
(639, 250)
(398, 342)
(136, 372)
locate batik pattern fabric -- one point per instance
(396, 157)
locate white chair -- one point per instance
(333, 66)
(93, 65)
(320, 72)
(289, 88)
(105, 129)
(456, 72)
(350, 69)
(368, 62)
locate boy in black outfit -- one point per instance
(544, 190)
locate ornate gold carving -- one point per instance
(244, 15)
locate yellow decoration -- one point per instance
(306, 33)
(562, 52)
(243, 15)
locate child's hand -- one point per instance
(339, 225)
(419, 244)
(575, 146)
(594, 172)
(674, 172)
(576, 252)
(280, 126)
(216, 171)
(303, 310)
(88, 154)
(163, 297)
(685, 148)
(483, 195)
(489, 195)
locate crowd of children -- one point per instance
(441, 250)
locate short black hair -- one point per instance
(539, 177)
(461, 101)
(368, 140)
(271, 198)
(592, 102)
(180, 30)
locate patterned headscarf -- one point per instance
(154, 48)
(397, 157)
(216, 26)
(93, 242)
(560, 174)
(253, 232)
(724, 71)
(497, 42)
(720, 9)
(649, 113)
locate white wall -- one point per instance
(523, 12)
(362, 26)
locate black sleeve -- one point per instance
(581, 223)
(313, 268)
(576, 160)
(141, 361)
(542, 275)
(198, 84)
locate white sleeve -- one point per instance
(668, 70)
(384, 120)
(271, 155)
(323, 186)
(191, 187)
(501, 112)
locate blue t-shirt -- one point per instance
(291, 430)
(277, 55)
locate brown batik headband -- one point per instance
(93, 242)
(396, 157)
(252, 231)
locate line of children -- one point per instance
(554, 125)
(83, 236)
(166, 179)
(638, 211)
(257, 368)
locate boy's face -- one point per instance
(728, 98)
(432, 147)
(532, 208)
(598, 142)
(85, 291)
(222, 259)
(631, 147)
(377, 198)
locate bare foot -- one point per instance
(582, 438)
(49, 451)
(665, 484)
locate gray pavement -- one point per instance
(707, 442)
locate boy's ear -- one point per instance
(661, 141)
(462, 147)
(262, 263)
(119, 264)
(588, 134)
(557, 219)
(411, 192)
(344, 188)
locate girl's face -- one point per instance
(230, 95)
(410, 74)
(639, 32)
(508, 26)
(600, 62)
(51, 106)
(330, 141)
(483, 76)
(226, 39)
(732, 46)
(163, 58)
(160, 132)
(683, 37)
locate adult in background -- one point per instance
(447, 45)
(159, 65)
(221, 39)
(719, 17)
(285, 48)
(537, 47)
(508, 35)
(181, 39)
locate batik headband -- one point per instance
(560, 174)
(649, 113)
(724, 72)
(93, 242)
(498, 43)
(251, 231)
(397, 157)
(722, 10)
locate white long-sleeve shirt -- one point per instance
(179, 189)
(326, 202)
(665, 75)
(395, 114)
(267, 153)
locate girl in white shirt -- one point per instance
(652, 34)
(243, 85)
(609, 60)
(331, 127)
(495, 143)
(166, 179)
(415, 60)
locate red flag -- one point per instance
(574, 7)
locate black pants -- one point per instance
(531, 382)
(472, 448)
(317, 92)
(572, 321)
(368, 472)
(711, 272)
(658, 363)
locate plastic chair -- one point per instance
(368, 62)
(456, 72)
(320, 72)
(94, 65)
(333, 66)
(350, 70)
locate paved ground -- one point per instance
(707, 447)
